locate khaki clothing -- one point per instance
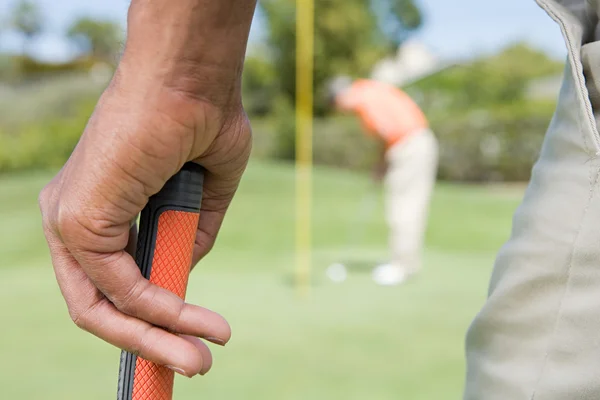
(408, 186)
(538, 335)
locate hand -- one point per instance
(141, 133)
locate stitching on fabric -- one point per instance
(593, 180)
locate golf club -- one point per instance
(168, 226)
(337, 271)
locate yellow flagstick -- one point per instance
(304, 132)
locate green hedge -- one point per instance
(478, 146)
(46, 143)
(497, 144)
(39, 129)
(41, 122)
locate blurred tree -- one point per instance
(28, 20)
(8, 68)
(486, 82)
(100, 39)
(488, 126)
(350, 37)
(398, 19)
(259, 85)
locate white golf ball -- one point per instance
(337, 273)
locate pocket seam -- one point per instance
(585, 109)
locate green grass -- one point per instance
(348, 341)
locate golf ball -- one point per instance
(337, 273)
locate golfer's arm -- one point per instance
(382, 164)
(194, 46)
(382, 157)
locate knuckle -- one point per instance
(142, 345)
(175, 323)
(80, 319)
(65, 221)
(44, 203)
(74, 225)
(44, 196)
(128, 301)
(83, 319)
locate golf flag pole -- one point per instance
(168, 226)
(304, 132)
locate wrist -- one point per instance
(172, 78)
(194, 47)
(155, 112)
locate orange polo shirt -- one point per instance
(385, 111)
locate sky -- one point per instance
(453, 28)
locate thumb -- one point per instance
(216, 198)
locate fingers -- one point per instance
(94, 313)
(133, 310)
(119, 279)
(207, 359)
(217, 195)
(208, 228)
(117, 164)
(116, 275)
(141, 338)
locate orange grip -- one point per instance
(175, 237)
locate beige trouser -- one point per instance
(538, 335)
(408, 185)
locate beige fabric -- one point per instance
(538, 335)
(408, 184)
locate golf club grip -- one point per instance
(168, 226)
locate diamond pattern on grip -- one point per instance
(170, 269)
(152, 382)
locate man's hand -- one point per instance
(163, 108)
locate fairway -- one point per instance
(349, 341)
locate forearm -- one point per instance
(193, 46)
(381, 166)
(175, 97)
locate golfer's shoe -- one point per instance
(389, 275)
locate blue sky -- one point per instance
(454, 28)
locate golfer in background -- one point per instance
(407, 164)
